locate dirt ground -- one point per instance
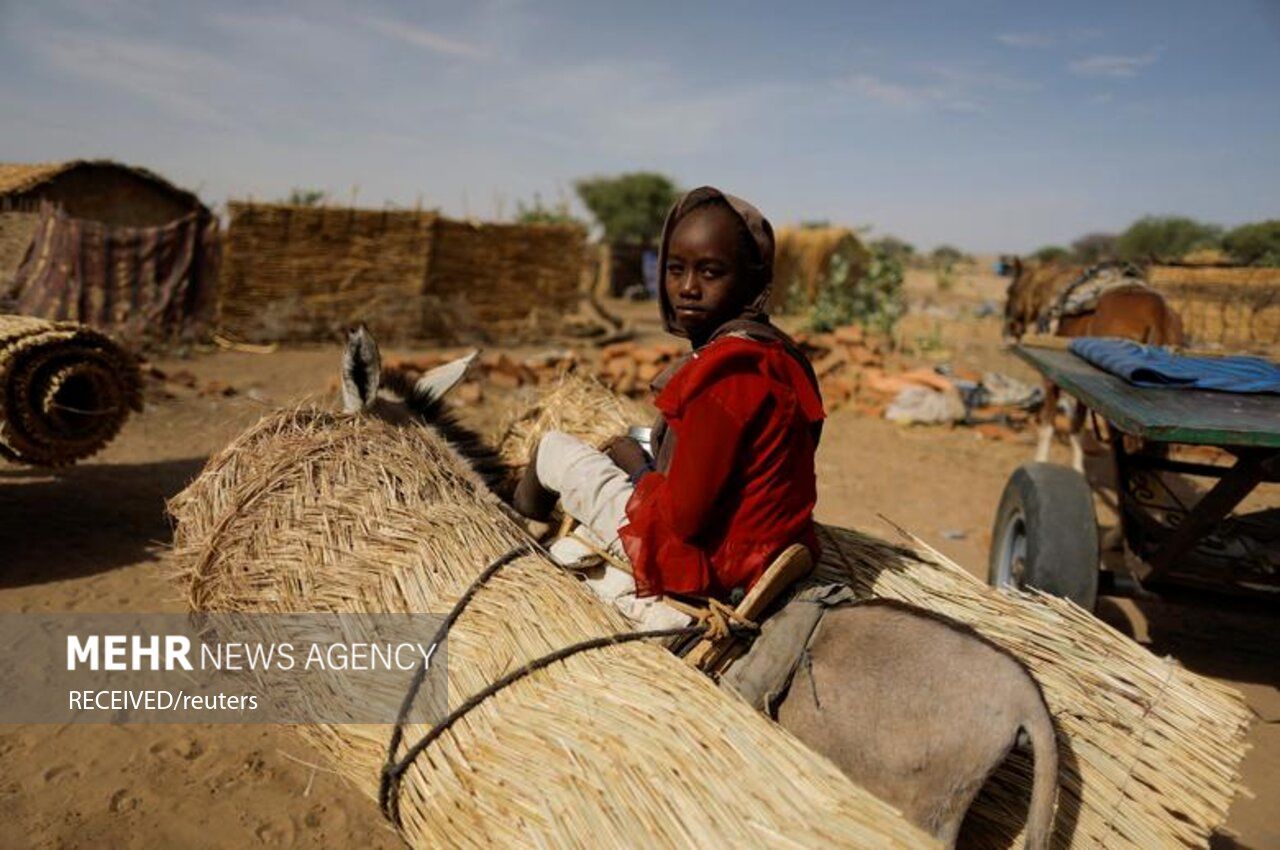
(94, 538)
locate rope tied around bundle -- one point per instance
(393, 770)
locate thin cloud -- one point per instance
(173, 78)
(422, 38)
(1026, 40)
(1112, 66)
(891, 93)
(951, 89)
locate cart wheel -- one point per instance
(1046, 535)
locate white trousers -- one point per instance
(595, 492)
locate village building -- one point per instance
(114, 246)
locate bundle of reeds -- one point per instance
(809, 259)
(1150, 752)
(624, 746)
(1233, 308)
(65, 390)
(575, 404)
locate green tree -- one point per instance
(1094, 248)
(540, 213)
(876, 300)
(1051, 254)
(1256, 244)
(1165, 238)
(630, 208)
(892, 246)
(306, 197)
(945, 256)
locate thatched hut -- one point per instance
(96, 190)
(809, 259)
(112, 246)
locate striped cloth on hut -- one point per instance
(128, 281)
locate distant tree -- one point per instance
(1256, 244)
(946, 256)
(1050, 254)
(1165, 238)
(540, 213)
(1094, 248)
(630, 208)
(893, 247)
(815, 224)
(306, 197)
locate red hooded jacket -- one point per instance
(741, 485)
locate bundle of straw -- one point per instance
(1150, 753)
(65, 390)
(575, 404)
(810, 259)
(625, 746)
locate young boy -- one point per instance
(732, 480)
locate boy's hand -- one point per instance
(626, 454)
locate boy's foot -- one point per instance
(531, 499)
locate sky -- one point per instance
(990, 125)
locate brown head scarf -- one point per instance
(752, 322)
(757, 227)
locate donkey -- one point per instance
(1130, 310)
(918, 709)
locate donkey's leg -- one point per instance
(1048, 410)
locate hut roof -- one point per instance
(19, 177)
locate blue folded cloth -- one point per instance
(1149, 366)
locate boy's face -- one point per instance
(704, 278)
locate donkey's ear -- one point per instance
(440, 380)
(361, 370)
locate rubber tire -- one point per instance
(1061, 531)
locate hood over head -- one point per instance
(757, 226)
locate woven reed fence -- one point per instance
(624, 746)
(65, 390)
(1150, 752)
(808, 259)
(502, 279)
(1232, 308)
(305, 273)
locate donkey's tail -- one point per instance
(1044, 788)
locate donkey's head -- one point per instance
(400, 399)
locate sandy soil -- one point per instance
(93, 538)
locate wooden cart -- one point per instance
(1046, 533)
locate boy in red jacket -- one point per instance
(732, 481)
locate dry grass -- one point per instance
(65, 390)
(1233, 308)
(575, 404)
(803, 259)
(305, 273)
(1150, 752)
(621, 747)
